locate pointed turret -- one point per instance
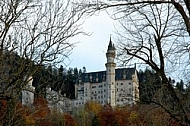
(110, 74)
(111, 46)
(110, 52)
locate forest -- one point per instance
(145, 113)
(37, 33)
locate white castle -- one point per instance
(28, 93)
(117, 87)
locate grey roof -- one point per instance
(96, 77)
(111, 46)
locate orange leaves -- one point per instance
(3, 103)
(93, 114)
(41, 108)
(40, 102)
(3, 106)
(107, 116)
(69, 120)
(111, 117)
(121, 115)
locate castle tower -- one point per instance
(110, 74)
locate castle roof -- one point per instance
(111, 46)
(96, 77)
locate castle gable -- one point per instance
(124, 73)
(97, 77)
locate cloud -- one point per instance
(90, 52)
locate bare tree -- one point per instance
(153, 35)
(182, 6)
(33, 33)
(156, 32)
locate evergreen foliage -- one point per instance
(149, 84)
(58, 79)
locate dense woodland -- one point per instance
(58, 79)
(154, 32)
(95, 114)
(64, 80)
(150, 82)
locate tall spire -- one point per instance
(111, 46)
(110, 74)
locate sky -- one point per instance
(90, 52)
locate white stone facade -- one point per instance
(125, 92)
(117, 87)
(28, 93)
(58, 102)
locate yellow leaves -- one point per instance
(29, 120)
(93, 106)
(133, 117)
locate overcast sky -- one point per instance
(91, 51)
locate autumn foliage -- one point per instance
(3, 108)
(93, 107)
(138, 115)
(107, 116)
(95, 115)
(41, 108)
(69, 120)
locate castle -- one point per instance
(117, 87)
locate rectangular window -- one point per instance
(93, 86)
